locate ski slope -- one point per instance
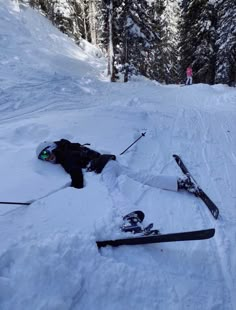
(52, 89)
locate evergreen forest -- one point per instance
(155, 38)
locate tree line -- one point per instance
(158, 39)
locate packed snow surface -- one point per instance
(50, 89)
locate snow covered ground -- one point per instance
(51, 89)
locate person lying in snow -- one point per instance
(74, 157)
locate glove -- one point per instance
(99, 163)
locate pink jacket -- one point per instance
(189, 71)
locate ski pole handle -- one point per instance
(142, 135)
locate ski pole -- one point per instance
(15, 203)
(142, 135)
(31, 201)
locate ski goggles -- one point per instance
(46, 153)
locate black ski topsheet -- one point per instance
(199, 192)
(181, 236)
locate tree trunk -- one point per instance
(126, 61)
(84, 20)
(92, 21)
(125, 45)
(111, 60)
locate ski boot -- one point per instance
(132, 222)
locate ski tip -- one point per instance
(176, 156)
(211, 232)
(215, 213)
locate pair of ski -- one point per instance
(153, 236)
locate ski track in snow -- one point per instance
(48, 257)
(199, 122)
(194, 119)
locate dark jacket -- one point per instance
(74, 157)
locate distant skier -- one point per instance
(75, 157)
(189, 74)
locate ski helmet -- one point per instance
(45, 145)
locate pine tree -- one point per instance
(84, 23)
(102, 24)
(64, 14)
(126, 33)
(155, 61)
(197, 42)
(226, 42)
(169, 41)
(142, 36)
(136, 37)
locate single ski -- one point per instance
(181, 236)
(198, 192)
